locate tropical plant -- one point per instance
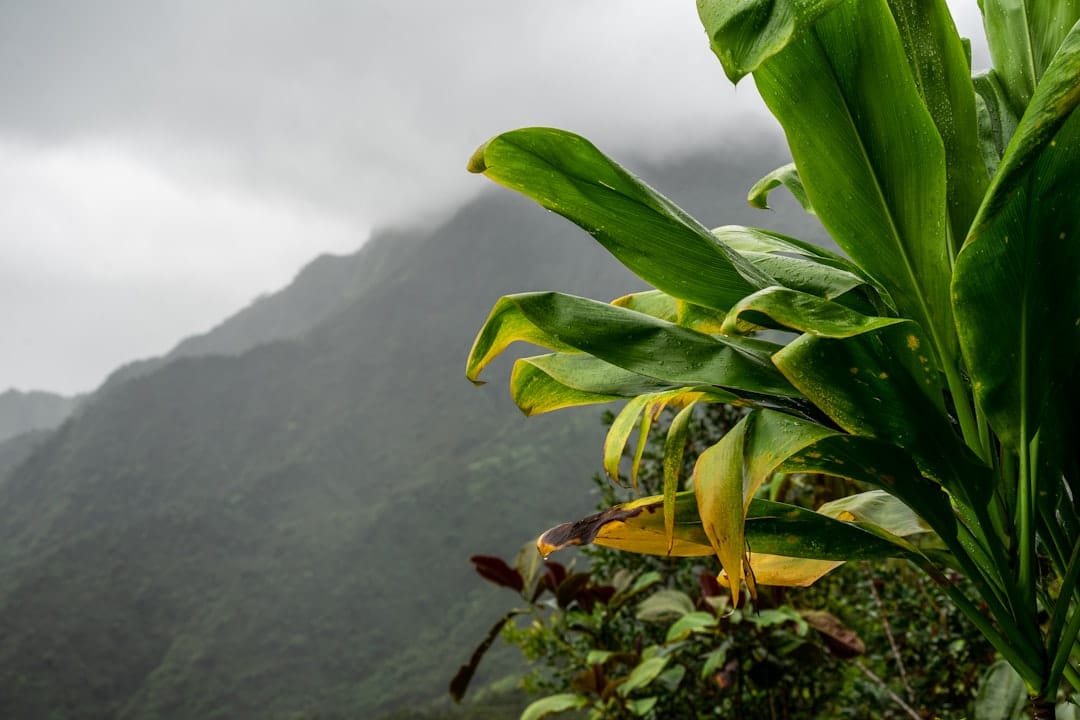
(933, 358)
(750, 662)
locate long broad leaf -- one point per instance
(943, 75)
(1016, 297)
(846, 98)
(648, 233)
(771, 528)
(1024, 36)
(545, 383)
(630, 340)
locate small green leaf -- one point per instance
(598, 657)
(785, 176)
(643, 706)
(643, 674)
(552, 705)
(689, 624)
(664, 604)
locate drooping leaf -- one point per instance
(495, 570)
(784, 176)
(630, 340)
(545, 383)
(879, 508)
(1014, 289)
(782, 308)
(884, 384)
(644, 409)
(771, 528)
(674, 447)
(782, 571)
(651, 302)
(745, 33)
(718, 485)
(845, 95)
(808, 276)
(645, 231)
(842, 641)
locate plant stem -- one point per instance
(1026, 520)
(888, 691)
(968, 426)
(888, 633)
(1014, 648)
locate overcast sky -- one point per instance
(163, 163)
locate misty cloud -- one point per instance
(166, 161)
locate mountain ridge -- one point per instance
(284, 529)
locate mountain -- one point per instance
(22, 412)
(274, 521)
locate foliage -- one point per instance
(932, 360)
(584, 632)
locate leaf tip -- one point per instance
(478, 163)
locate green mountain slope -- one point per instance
(282, 530)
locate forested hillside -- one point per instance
(275, 520)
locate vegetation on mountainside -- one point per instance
(934, 359)
(286, 531)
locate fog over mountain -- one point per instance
(163, 163)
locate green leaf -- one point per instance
(782, 308)
(942, 73)
(1015, 293)
(552, 705)
(643, 674)
(784, 176)
(745, 33)
(665, 604)
(643, 706)
(884, 384)
(674, 447)
(1002, 694)
(651, 302)
(689, 624)
(718, 485)
(997, 122)
(630, 340)
(648, 233)
(645, 409)
(545, 383)
(845, 96)
(598, 657)
(879, 508)
(1024, 36)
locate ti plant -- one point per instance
(932, 358)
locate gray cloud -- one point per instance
(164, 162)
